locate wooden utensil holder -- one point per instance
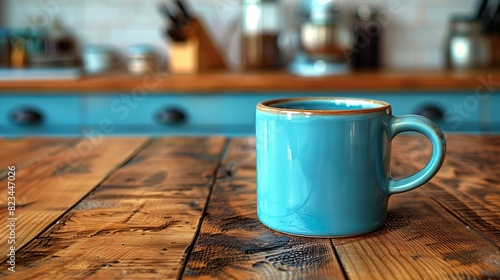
(197, 53)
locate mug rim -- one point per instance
(268, 106)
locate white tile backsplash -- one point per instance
(413, 38)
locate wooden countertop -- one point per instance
(275, 81)
(165, 208)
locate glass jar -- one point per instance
(142, 59)
(261, 27)
(468, 47)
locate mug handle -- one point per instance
(430, 130)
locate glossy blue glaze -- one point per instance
(323, 165)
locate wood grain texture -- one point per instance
(257, 81)
(23, 152)
(468, 184)
(233, 244)
(150, 218)
(47, 189)
(137, 224)
(420, 240)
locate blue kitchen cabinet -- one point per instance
(494, 113)
(454, 112)
(34, 114)
(231, 114)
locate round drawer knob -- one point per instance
(26, 116)
(170, 116)
(431, 112)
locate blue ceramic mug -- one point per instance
(323, 164)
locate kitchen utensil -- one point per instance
(323, 164)
(185, 14)
(165, 11)
(179, 17)
(197, 52)
(481, 9)
(191, 49)
(176, 35)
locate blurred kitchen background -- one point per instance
(74, 67)
(413, 37)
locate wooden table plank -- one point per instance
(150, 219)
(47, 189)
(138, 223)
(468, 184)
(233, 244)
(420, 240)
(23, 152)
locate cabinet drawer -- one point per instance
(235, 113)
(453, 111)
(494, 113)
(26, 114)
(174, 113)
(125, 109)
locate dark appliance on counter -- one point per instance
(55, 47)
(474, 40)
(4, 48)
(365, 52)
(489, 13)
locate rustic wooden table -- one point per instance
(185, 208)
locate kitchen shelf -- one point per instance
(390, 81)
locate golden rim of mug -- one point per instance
(267, 106)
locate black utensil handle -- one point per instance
(481, 9)
(495, 21)
(185, 12)
(26, 116)
(170, 116)
(176, 35)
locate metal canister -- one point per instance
(468, 46)
(142, 59)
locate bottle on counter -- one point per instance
(365, 53)
(261, 26)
